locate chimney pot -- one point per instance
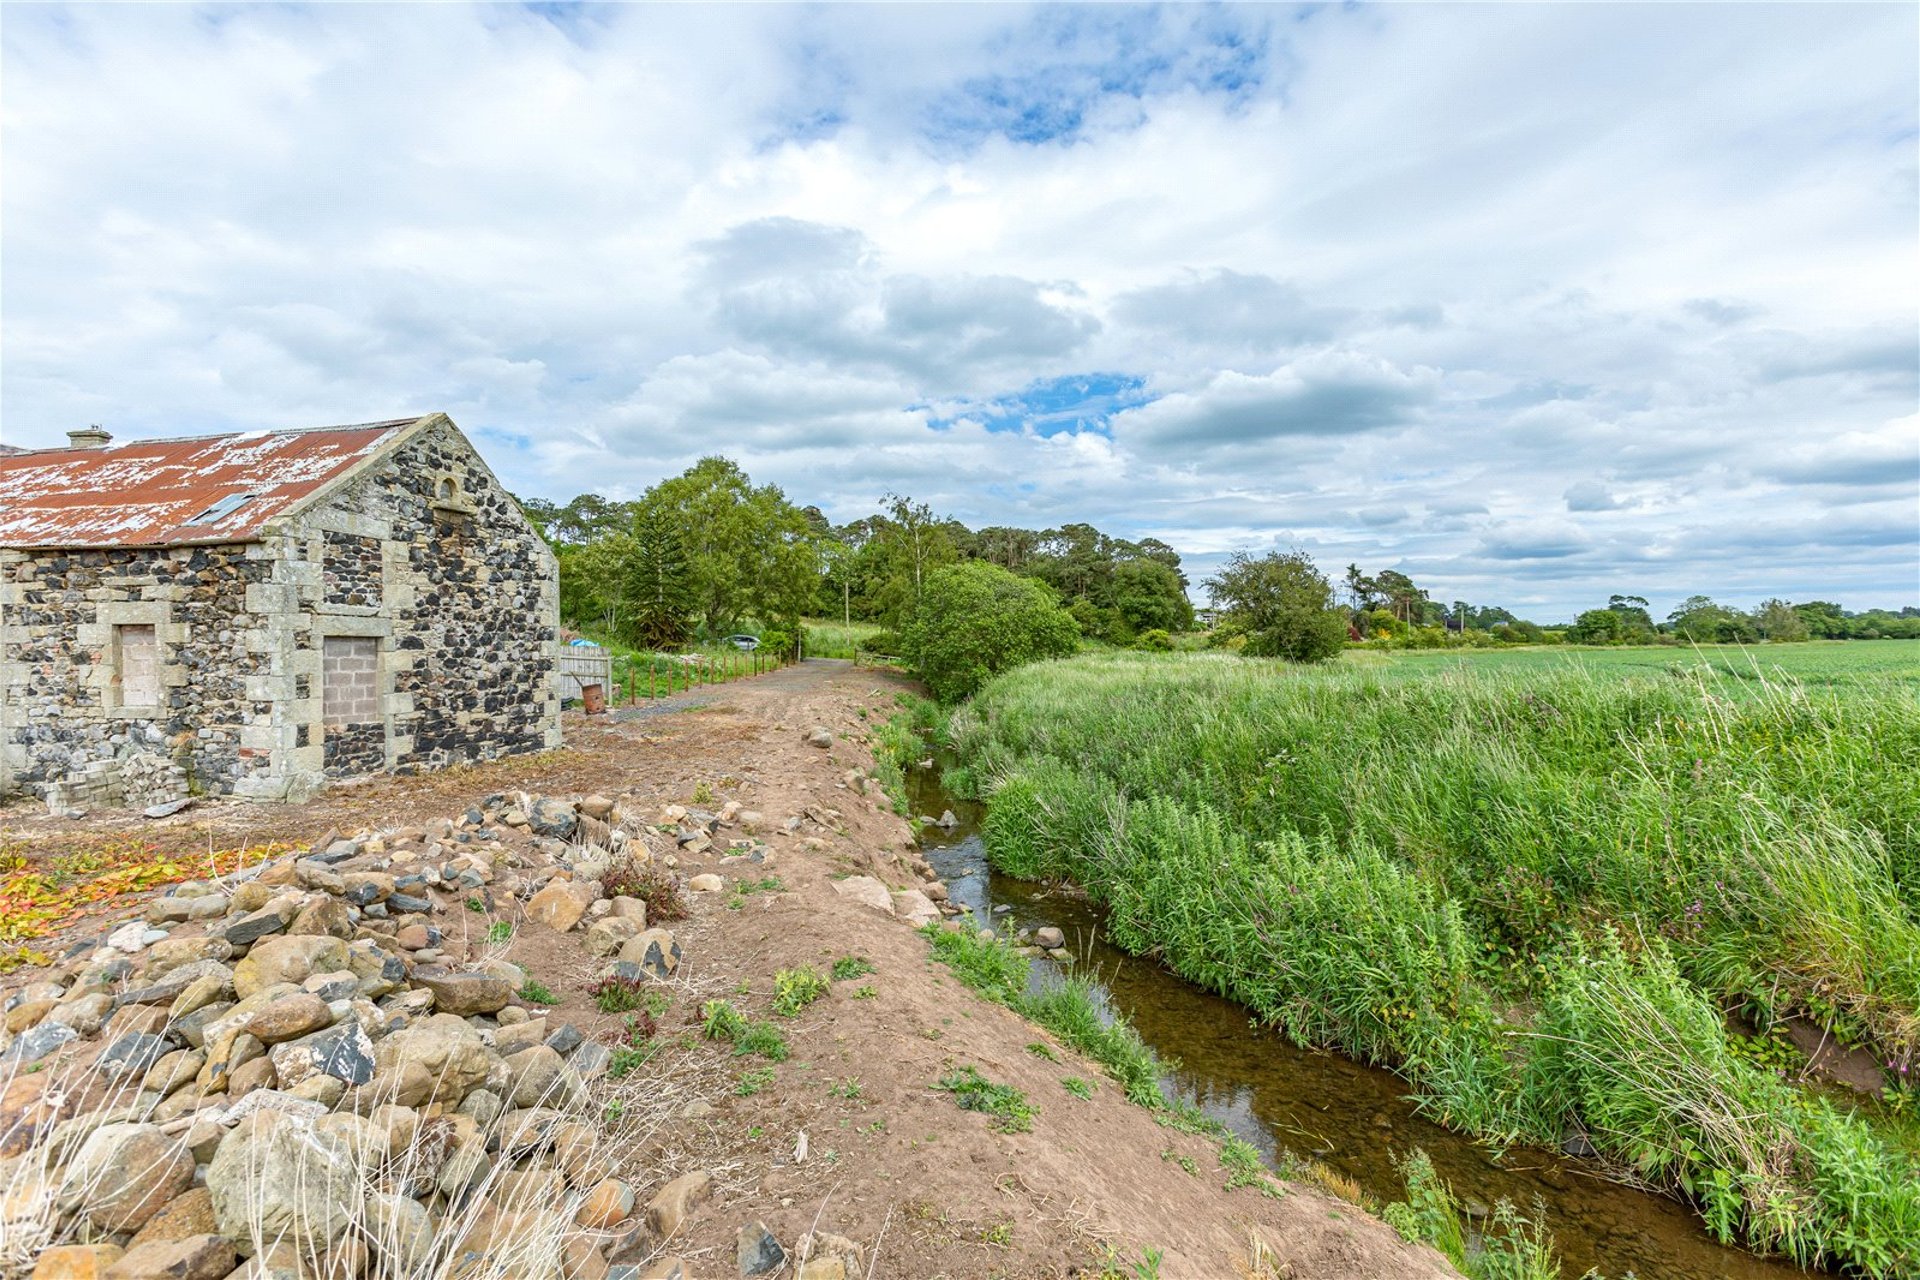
(94, 436)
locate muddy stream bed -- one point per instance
(1353, 1118)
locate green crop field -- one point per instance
(1561, 891)
(1814, 662)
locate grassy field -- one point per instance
(1536, 882)
(1818, 662)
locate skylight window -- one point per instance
(223, 508)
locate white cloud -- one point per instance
(1413, 285)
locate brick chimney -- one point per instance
(93, 437)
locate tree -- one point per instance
(1598, 626)
(1635, 616)
(1778, 621)
(912, 543)
(747, 549)
(1699, 619)
(656, 582)
(976, 620)
(1284, 604)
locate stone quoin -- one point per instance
(259, 614)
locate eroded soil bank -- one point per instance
(849, 1134)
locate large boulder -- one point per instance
(466, 993)
(287, 958)
(277, 1177)
(443, 1047)
(559, 906)
(123, 1175)
(867, 891)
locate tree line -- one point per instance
(706, 552)
(703, 552)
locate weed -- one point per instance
(1615, 858)
(1245, 1168)
(614, 994)
(765, 884)
(848, 1089)
(702, 793)
(722, 1021)
(851, 967)
(533, 991)
(1077, 1087)
(500, 932)
(1041, 1049)
(866, 992)
(652, 884)
(752, 1082)
(1008, 1107)
(477, 905)
(795, 989)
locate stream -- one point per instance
(1351, 1117)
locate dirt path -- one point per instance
(849, 1135)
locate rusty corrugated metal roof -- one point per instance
(154, 493)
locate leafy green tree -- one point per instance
(1598, 626)
(1823, 618)
(657, 581)
(1699, 619)
(1284, 603)
(1776, 620)
(747, 549)
(912, 543)
(976, 620)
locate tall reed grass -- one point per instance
(1534, 893)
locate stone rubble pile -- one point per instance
(320, 1070)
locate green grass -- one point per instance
(1076, 1086)
(1511, 1245)
(1008, 1107)
(1813, 662)
(1529, 880)
(533, 991)
(851, 967)
(832, 639)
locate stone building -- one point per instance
(258, 614)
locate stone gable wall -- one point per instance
(467, 622)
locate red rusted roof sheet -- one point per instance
(157, 493)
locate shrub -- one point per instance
(652, 884)
(1156, 640)
(976, 620)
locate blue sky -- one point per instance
(1537, 303)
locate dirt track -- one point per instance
(890, 1161)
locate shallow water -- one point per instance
(1350, 1117)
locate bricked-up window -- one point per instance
(136, 653)
(349, 680)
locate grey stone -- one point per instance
(757, 1252)
(407, 903)
(564, 1039)
(36, 1043)
(258, 924)
(132, 1054)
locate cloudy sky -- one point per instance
(1535, 303)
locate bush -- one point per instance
(976, 620)
(1284, 604)
(1156, 640)
(653, 885)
